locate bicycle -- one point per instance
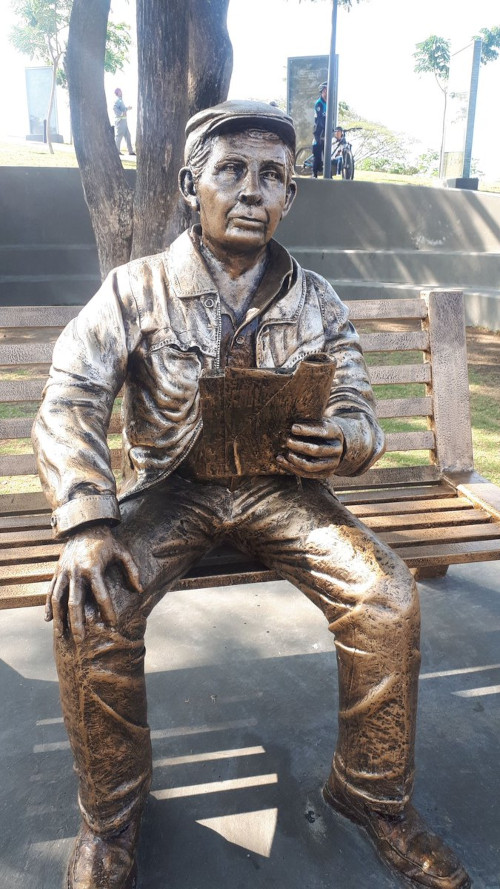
(304, 159)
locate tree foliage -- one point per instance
(41, 33)
(433, 57)
(491, 44)
(375, 146)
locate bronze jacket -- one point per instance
(152, 328)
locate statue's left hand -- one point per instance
(314, 449)
(80, 573)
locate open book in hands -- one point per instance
(248, 413)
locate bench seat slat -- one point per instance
(440, 505)
(415, 536)
(32, 571)
(394, 495)
(450, 553)
(426, 519)
(400, 475)
(24, 536)
(28, 554)
(23, 595)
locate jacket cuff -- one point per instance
(363, 444)
(81, 510)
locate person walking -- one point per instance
(121, 126)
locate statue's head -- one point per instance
(239, 164)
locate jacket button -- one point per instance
(209, 303)
(240, 340)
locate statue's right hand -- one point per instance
(80, 570)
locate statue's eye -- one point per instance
(272, 174)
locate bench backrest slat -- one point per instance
(450, 384)
(14, 391)
(387, 309)
(15, 354)
(429, 419)
(414, 341)
(37, 316)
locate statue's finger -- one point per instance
(76, 614)
(132, 571)
(59, 602)
(103, 599)
(48, 613)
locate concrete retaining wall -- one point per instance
(367, 238)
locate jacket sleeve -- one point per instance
(351, 401)
(69, 433)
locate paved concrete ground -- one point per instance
(242, 691)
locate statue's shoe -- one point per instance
(403, 841)
(103, 863)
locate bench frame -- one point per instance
(433, 514)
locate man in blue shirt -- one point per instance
(319, 130)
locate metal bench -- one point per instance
(424, 498)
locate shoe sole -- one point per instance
(343, 809)
(130, 884)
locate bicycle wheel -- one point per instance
(347, 164)
(304, 162)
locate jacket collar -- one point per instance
(189, 276)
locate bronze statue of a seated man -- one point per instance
(224, 294)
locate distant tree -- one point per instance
(375, 145)
(433, 57)
(491, 44)
(42, 32)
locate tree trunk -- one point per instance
(210, 54)
(443, 133)
(108, 196)
(55, 63)
(185, 61)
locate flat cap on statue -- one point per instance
(236, 115)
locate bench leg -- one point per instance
(429, 572)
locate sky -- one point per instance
(375, 42)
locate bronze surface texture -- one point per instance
(223, 295)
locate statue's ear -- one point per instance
(290, 197)
(188, 188)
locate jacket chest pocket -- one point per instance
(173, 373)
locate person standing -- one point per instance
(319, 130)
(121, 126)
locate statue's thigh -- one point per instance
(168, 528)
(307, 535)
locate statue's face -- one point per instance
(243, 193)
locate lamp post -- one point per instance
(331, 96)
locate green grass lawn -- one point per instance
(34, 154)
